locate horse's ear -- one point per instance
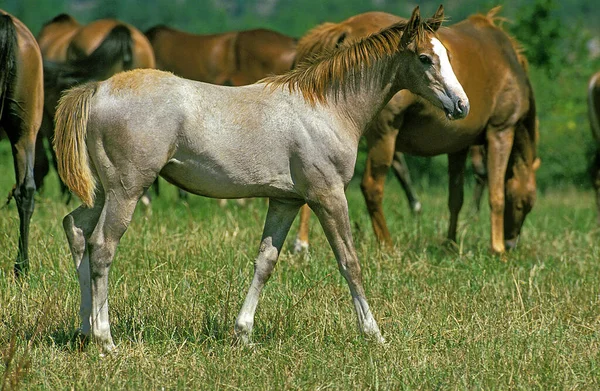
(536, 164)
(436, 20)
(412, 28)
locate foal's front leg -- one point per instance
(280, 216)
(332, 212)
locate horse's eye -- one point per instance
(425, 59)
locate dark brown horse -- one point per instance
(231, 58)
(75, 53)
(594, 114)
(21, 106)
(489, 65)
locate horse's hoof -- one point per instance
(21, 267)
(300, 246)
(417, 207)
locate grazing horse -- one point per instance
(594, 114)
(489, 65)
(75, 53)
(21, 106)
(232, 58)
(292, 138)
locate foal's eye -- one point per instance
(425, 59)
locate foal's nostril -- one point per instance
(462, 108)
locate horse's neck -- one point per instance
(361, 98)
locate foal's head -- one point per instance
(428, 72)
(520, 187)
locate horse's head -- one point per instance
(428, 71)
(520, 186)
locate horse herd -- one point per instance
(288, 131)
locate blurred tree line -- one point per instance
(561, 40)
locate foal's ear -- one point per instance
(412, 28)
(436, 20)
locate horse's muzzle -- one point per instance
(511, 244)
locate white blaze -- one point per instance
(447, 72)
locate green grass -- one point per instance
(453, 318)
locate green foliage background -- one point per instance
(554, 34)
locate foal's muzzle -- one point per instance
(460, 109)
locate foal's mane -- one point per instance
(328, 70)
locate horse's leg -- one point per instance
(403, 174)
(596, 181)
(302, 238)
(479, 171)
(279, 219)
(23, 149)
(381, 147)
(78, 226)
(332, 211)
(42, 164)
(456, 183)
(500, 142)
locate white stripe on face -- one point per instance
(446, 70)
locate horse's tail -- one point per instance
(8, 46)
(594, 106)
(72, 116)
(115, 49)
(325, 37)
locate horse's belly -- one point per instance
(430, 139)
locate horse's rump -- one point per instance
(594, 106)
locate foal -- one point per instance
(292, 138)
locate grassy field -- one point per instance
(453, 317)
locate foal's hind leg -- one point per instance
(78, 226)
(116, 214)
(280, 216)
(332, 212)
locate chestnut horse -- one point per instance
(490, 66)
(21, 106)
(232, 58)
(594, 114)
(291, 138)
(75, 53)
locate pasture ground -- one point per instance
(453, 317)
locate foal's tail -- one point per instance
(594, 106)
(8, 46)
(72, 116)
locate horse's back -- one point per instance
(206, 58)
(262, 52)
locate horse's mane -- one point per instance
(494, 19)
(325, 71)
